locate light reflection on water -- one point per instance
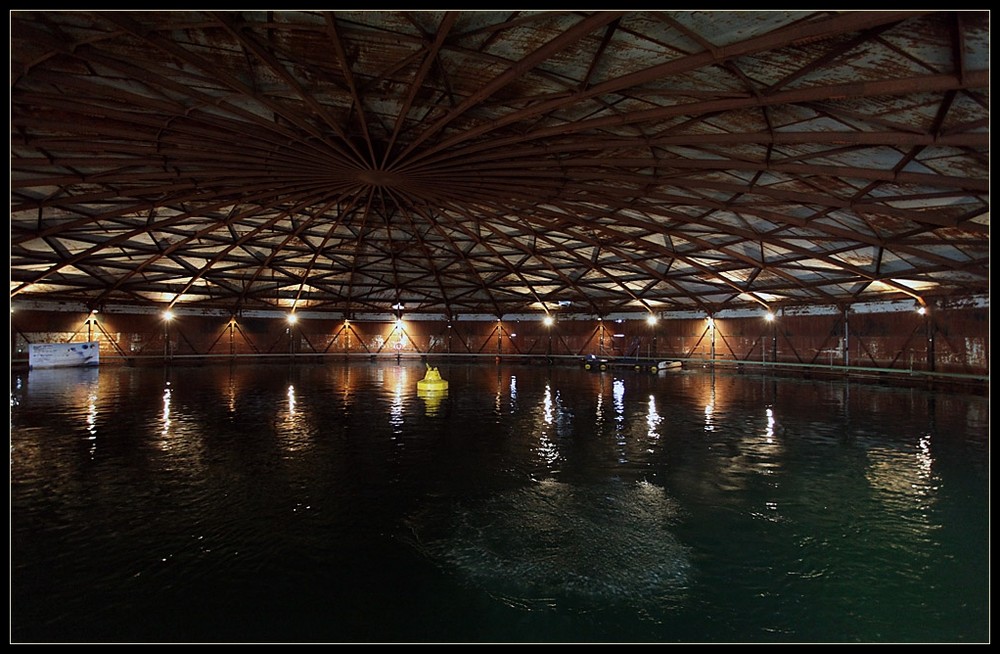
(305, 502)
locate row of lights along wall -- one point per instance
(548, 320)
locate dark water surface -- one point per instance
(333, 503)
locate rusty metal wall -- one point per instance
(945, 341)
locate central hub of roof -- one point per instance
(379, 178)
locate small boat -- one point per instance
(593, 362)
(63, 355)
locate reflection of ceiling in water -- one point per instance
(562, 546)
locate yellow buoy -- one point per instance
(432, 381)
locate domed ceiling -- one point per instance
(494, 162)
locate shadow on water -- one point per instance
(561, 547)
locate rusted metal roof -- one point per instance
(498, 161)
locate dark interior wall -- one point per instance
(946, 341)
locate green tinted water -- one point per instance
(333, 503)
